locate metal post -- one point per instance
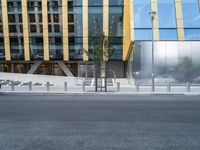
(30, 84)
(105, 82)
(152, 15)
(96, 77)
(137, 87)
(83, 86)
(153, 79)
(12, 86)
(169, 87)
(65, 84)
(48, 86)
(188, 86)
(118, 86)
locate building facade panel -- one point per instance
(6, 30)
(60, 30)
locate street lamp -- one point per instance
(152, 15)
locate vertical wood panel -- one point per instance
(65, 30)
(25, 30)
(179, 20)
(154, 7)
(85, 29)
(6, 30)
(45, 30)
(127, 30)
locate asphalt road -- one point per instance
(99, 122)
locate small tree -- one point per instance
(101, 52)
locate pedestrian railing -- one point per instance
(86, 87)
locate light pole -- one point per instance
(152, 15)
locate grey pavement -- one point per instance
(111, 90)
(99, 122)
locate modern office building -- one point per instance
(48, 36)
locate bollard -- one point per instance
(83, 86)
(169, 87)
(188, 86)
(12, 86)
(137, 87)
(48, 86)
(118, 86)
(30, 84)
(65, 84)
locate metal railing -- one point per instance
(85, 87)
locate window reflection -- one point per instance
(166, 14)
(141, 13)
(191, 15)
(142, 21)
(168, 34)
(143, 34)
(192, 34)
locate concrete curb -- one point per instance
(98, 93)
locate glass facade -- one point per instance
(191, 19)
(95, 21)
(167, 25)
(142, 21)
(167, 20)
(15, 29)
(54, 27)
(75, 23)
(175, 62)
(35, 29)
(116, 27)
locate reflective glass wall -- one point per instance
(191, 19)
(35, 29)
(55, 31)
(95, 20)
(116, 27)
(176, 62)
(167, 20)
(75, 28)
(15, 29)
(142, 21)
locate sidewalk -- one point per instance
(75, 86)
(145, 90)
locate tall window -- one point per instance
(116, 26)
(15, 29)
(35, 29)
(54, 27)
(95, 19)
(75, 29)
(142, 20)
(167, 20)
(191, 19)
